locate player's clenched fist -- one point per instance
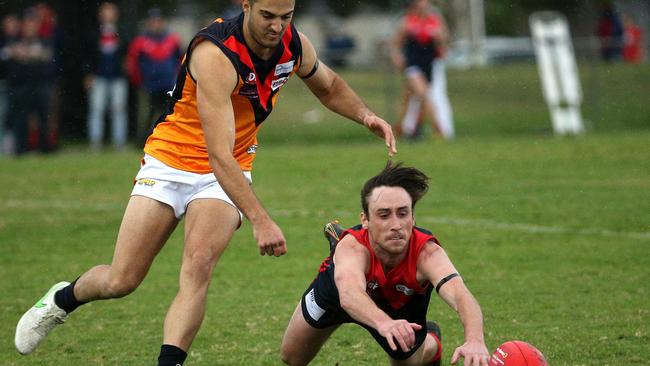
(270, 239)
(400, 331)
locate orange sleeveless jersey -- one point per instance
(177, 139)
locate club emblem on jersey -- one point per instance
(277, 83)
(405, 290)
(249, 87)
(252, 149)
(283, 68)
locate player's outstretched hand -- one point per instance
(474, 354)
(269, 237)
(382, 129)
(401, 331)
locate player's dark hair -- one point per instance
(414, 182)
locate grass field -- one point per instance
(552, 235)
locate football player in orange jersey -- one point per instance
(197, 164)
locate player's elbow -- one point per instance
(347, 300)
(219, 158)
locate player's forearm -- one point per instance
(361, 308)
(471, 316)
(340, 98)
(237, 187)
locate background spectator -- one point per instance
(105, 80)
(610, 33)
(9, 34)
(633, 41)
(152, 62)
(29, 69)
(50, 31)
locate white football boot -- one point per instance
(38, 321)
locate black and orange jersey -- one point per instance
(177, 139)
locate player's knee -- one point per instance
(121, 286)
(292, 356)
(199, 264)
(286, 357)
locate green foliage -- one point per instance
(499, 18)
(550, 234)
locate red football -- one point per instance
(517, 353)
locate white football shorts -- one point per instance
(413, 71)
(177, 188)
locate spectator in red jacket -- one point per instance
(152, 62)
(633, 41)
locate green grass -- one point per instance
(550, 234)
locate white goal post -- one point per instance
(558, 71)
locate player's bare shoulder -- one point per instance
(309, 56)
(350, 243)
(430, 249)
(350, 246)
(207, 59)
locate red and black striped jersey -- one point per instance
(397, 286)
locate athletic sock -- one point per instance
(64, 298)
(171, 356)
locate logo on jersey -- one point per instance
(252, 149)
(283, 68)
(405, 290)
(249, 88)
(277, 83)
(171, 92)
(372, 285)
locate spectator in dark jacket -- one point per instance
(29, 69)
(9, 34)
(105, 79)
(610, 33)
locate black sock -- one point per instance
(64, 298)
(171, 356)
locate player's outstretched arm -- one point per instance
(216, 78)
(351, 261)
(435, 265)
(334, 93)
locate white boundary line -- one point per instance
(532, 228)
(478, 223)
(486, 224)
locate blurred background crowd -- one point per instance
(97, 73)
